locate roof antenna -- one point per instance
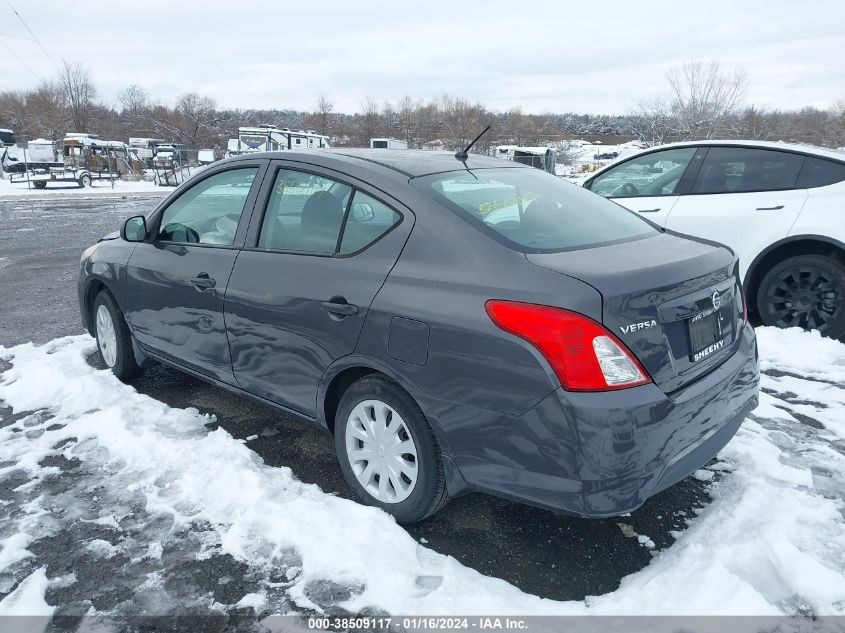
(464, 153)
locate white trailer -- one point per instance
(205, 156)
(269, 138)
(387, 143)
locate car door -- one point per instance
(648, 183)
(744, 197)
(300, 290)
(176, 282)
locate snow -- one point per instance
(121, 187)
(771, 541)
(28, 599)
(585, 163)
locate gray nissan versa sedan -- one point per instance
(458, 323)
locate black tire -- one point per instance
(429, 493)
(40, 184)
(124, 366)
(84, 181)
(806, 291)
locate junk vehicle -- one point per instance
(540, 157)
(84, 159)
(7, 137)
(145, 148)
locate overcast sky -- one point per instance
(558, 56)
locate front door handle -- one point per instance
(777, 208)
(649, 210)
(339, 306)
(203, 282)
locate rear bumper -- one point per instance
(601, 454)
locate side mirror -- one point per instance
(134, 229)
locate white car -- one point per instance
(780, 207)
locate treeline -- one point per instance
(702, 101)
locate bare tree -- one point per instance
(652, 121)
(79, 94)
(705, 99)
(14, 112)
(47, 110)
(370, 122)
(133, 99)
(197, 115)
(406, 119)
(323, 115)
(838, 127)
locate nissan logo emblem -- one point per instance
(717, 300)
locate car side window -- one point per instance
(368, 220)
(820, 172)
(743, 169)
(304, 213)
(208, 212)
(653, 174)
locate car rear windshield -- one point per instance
(532, 211)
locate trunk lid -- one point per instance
(675, 302)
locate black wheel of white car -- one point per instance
(85, 180)
(40, 184)
(114, 341)
(807, 291)
(388, 452)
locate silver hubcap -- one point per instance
(106, 337)
(381, 451)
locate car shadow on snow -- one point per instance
(547, 554)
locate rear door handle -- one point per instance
(203, 282)
(339, 306)
(649, 210)
(777, 208)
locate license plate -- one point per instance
(705, 335)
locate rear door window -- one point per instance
(304, 213)
(820, 172)
(367, 221)
(308, 213)
(744, 169)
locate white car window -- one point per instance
(744, 169)
(653, 174)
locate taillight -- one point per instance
(584, 355)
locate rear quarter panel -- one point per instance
(445, 275)
(823, 213)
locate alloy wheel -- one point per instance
(106, 336)
(381, 451)
(805, 296)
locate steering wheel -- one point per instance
(176, 232)
(628, 189)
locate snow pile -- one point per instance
(772, 540)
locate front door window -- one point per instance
(653, 174)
